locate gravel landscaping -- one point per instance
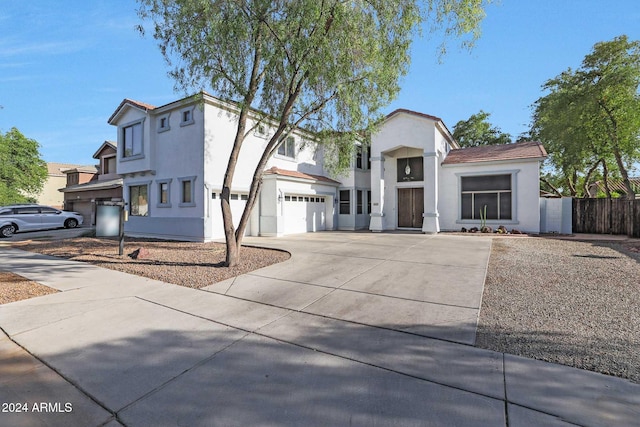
(15, 288)
(564, 301)
(189, 264)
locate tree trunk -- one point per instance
(605, 178)
(585, 188)
(625, 175)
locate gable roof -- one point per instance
(130, 103)
(616, 185)
(104, 145)
(295, 174)
(58, 169)
(492, 153)
(439, 122)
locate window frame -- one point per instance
(123, 134)
(167, 126)
(159, 184)
(286, 154)
(105, 162)
(513, 174)
(140, 185)
(190, 120)
(192, 193)
(344, 202)
(359, 202)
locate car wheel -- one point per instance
(71, 223)
(7, 230)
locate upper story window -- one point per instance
(109, 165)
(73, 178)
(163, 123)
(186, 116)
(287, 147)
(132, 140)
(410, 169)
(261, 131)
(363, 161)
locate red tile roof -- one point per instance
(141, 105)
(295, 174)
(492, 153)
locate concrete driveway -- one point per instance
(339, 337)
(426, 285)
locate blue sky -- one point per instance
(64, 70)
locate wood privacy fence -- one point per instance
(607, 216)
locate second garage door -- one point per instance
(304, 213)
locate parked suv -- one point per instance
(16, 218)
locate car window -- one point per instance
(48, 211)
(27, 211)
(6, 211)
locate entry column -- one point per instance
(430, 221)
(377, 193)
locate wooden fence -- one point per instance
(607, 216)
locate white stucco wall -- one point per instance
(525, 189)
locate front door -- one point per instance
(410, 207)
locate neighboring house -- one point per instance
(615, 186)
(172, 160)
(90, 184)
(56, 178)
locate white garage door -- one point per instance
(304, 213)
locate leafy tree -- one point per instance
(590, 119)
(327, 65)
(477, 130)
(22, 171)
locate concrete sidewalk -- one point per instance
(129, 350)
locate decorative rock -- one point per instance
(516, 231)
(464, 230)
(473, 230)
(140, 253)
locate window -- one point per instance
(287, 147)
(138, 201)
(345, 202)
(359, 195)
(287, 198)
(359, 158)
(368, 201)
(187, 191)
(410, 169)
(186, 116)
(108, 165)
(363, 161)
(164, 193)
(73, 178)
(261, 131)
(492, 191)
(132, 138)
(234, 196)
(213, 195)
(163, 123)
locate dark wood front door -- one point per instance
(410, 207)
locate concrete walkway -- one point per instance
(344, 333)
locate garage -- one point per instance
(304, 213)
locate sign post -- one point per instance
(110, 217)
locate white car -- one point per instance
(16, 218)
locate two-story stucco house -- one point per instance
(413, 176)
